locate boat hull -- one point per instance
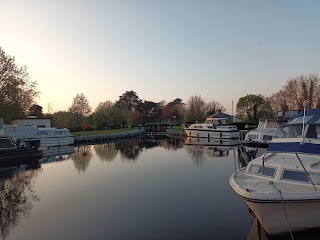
(56, 141)
(215, 133)
(302, 215)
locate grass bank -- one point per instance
(113, 131)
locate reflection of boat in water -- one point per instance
(282, 187)
(212, 147)
(213, 128)
(211, 141)
(10, 152)
(55, 154)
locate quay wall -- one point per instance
(106, 137)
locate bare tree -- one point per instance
(296, 90)
(195, 109)
(214, 107)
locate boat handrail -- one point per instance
(306, 172)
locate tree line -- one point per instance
(18, 96)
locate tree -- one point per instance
(102, 115)
(65, 120)
(296, 91)
(174, 108)
(195, 109)
(214, 107)
(17, 91)
(151, 111)
(253, 107)
(129, 101)
(36, 110)
(81, 108)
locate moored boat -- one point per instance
(49, 137)
(213, 128)
(282, 187)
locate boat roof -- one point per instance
(311, 116)
(302, 147)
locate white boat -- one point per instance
(49, 137)
(262, 135)
(212, 128)
(282, 187)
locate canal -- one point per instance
(143, 188)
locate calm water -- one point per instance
(137, 189)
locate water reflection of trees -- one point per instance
(106, 152)
(16, 198)
(172, 143)
(129, 150)
(81, 158)
(197, 155)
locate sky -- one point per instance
(161, 49)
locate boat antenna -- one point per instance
(305, 104)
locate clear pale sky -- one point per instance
(162, 50)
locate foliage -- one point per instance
(80, 108)
(17, 91)
(174, 108)
(150, 111)
(102, 115)
(129, 101)
(36, 110)
(214, 107)
(253, 107)
(65, 119)
(296, 91)
(80, 105)
(195, 109)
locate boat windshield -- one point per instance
(216, 121)
(288, 131)
(295, 131)
(271, 124)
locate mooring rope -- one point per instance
(284, 209)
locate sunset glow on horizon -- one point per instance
(162, 50)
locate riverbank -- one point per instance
(106, 137)
(95, 138)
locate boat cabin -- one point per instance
(217, 121)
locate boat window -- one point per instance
(43, 133)
(251, 136)
(222, 122)
(318, 131)
(311, 133)
(23, 130)
(267, 137)
(9, 130)
(57, 132)
(271, 124)
(300, 176)
(267, 171)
